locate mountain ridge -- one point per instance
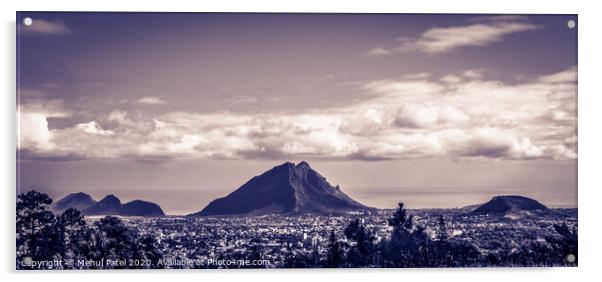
(79, 201)
(109, 205)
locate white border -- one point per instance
(589, 134)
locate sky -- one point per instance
(181, 108)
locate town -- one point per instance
(206, 240)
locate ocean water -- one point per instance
(185, 201)
(446, 197)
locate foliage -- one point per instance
(68, 239)
(44, 236)
(335, 256)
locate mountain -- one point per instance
(513, 207)
(139, 207)
(109, 205)
(284, 189)
(79, 201)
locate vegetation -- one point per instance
(43, 236)
(67, 237)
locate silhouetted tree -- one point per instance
(114, 241)
(442, 246)
(408, 246)
(37, 235)
(442, 231)
(73, 233)
(362, 251)
(400, 218)
(335, 255)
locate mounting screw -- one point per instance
(27, 21)
(570, 258)
(571, 24)
(27, 261)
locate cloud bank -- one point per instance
(460, 115)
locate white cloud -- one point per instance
(92, 128)
(413, 116)
(446, 39)
(150, 100)
(567, 76)
(33, 133)
(45, 27)
(420, 116)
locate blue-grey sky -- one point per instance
(389, 106)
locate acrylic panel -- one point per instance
(290, 140)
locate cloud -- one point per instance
(494, 143)
(150, 100)
(568, 76)
(439, 40)
(45, 27)
(93, 128)
(243, 99)
(411, 116)
(420, 116)
(32, 123)
(33, 132)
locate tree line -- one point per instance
(410, 246)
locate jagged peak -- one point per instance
(302, 164)
(110, 197)
(285, 165)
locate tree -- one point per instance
(362, 252)
(563, 245)
(73, 234)
(37, 235)
(408, 246)
(462, 253)
(442, 231)
(401, 219)
(334, 257)
(114, 241)
(442, 251)
(149, 252)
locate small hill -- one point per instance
(109, 205)
(141, 208)
(513, 207)
(79, 201)
(284, 189)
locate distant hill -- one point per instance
(284, 189)
(139, 207)
(109, 205)
(79, 201)
(512, 207)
